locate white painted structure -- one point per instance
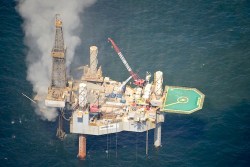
(82, 95)
(157, 131)
(138, 93)
(93, 59)
(158, 80)
(54, 103)
(147, 91)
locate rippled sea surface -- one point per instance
(201, 43)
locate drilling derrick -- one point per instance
(56, 91)
(58, 78)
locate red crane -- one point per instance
(137, 80)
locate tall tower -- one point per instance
(93, 59)
(56, 91)
(58, 77)
(90, 72)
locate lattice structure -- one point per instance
(93, 59)
(57, 91)
(58, 77)
(90, 72)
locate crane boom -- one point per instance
(124, 83)
(120, 55)
(137, 80)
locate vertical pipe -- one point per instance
(107, 151)
(157, 135)
(147, 141)
(116, 140)
(82, 147)
(157, 132)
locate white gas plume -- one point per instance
(39, 16)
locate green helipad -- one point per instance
(182, 100)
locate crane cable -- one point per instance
(107, 151)
(116, 141)
(147, 141)
(136, 147)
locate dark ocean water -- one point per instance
(202, 44)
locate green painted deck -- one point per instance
(182, 100)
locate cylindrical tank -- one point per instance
(157, 135)
(93, 59)
(138, 93)
(158, 80)
(82, 95)
(147, 91)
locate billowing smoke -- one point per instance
(39, 16)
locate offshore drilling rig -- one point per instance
(100, 105)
